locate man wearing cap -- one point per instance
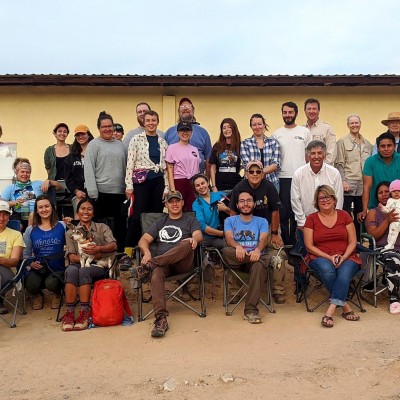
(267, 205)
(11, 246)
(200, 137)
(393, 124)
(177, 236)
(141, 108)
(320, 130)
(118, 132)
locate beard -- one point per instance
(186, 117)
(289, 120)
(141, 122)
(246, 212)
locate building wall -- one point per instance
(28, 114)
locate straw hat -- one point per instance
(393, 116)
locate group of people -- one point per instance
(296, 181)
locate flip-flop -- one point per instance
(324, 321)
(348, 314)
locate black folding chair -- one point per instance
(182, 279)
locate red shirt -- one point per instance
(331, 240)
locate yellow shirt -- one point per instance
(9, 238)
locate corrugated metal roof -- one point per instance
(198, 80)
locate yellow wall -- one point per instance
(28, 114)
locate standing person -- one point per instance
(45, 237)
(384, 166)
(262, 148)
(308, 177)
(83, 278)
(55, 155)
(267, 205)
(118, 131)
(146, 175)
(200, 137)
(248, 251)
(10, 249)
(330, 239)
(320, 130)
(74, 165)
(225, 158)
(293, 140)
(183, 161)
(141, 108)
(393, 124)
(105, 167)
(352, 151)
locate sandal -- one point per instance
(324, 321)
(348, 316)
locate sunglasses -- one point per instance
(255, 171)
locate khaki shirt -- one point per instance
(323, 132)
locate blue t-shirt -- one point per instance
(154, 154)
(12, 192)
(247, 234)
(42, 243)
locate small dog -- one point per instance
(84, 240)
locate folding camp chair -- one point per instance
(182, 279)
(16, 285)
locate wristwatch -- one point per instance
(274, 232)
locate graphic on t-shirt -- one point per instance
(3, 247)
(227, 161)
(170, 234)
(243, 234)
(246, 238)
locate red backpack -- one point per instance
(109, 303)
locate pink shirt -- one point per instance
(186, 160)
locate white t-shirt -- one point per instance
(293, 143)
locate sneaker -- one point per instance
(82, 322)
(160, 326)
(252, 318)
(68, 321)
(125, 263)
(279, 299)
(3, 310)
(140, 271)
(55, 301)
(394, 308)
(37, 303)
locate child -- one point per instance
(392, 204)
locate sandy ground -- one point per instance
(289, 355)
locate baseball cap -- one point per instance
(173, 195)
(184, 126)
(252, 163)
(118, 128)
(4, 206)
(61, 124)
(183, 99)
(81, 129)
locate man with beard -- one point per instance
(200, 137)
(247, 238)
(320, 130)
(141, 108)
(293, 140)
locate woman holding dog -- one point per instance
(330, 239)
(102, 246)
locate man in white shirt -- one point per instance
(293, 140)
(320, 130)
(307, 178)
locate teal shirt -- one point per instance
(380, 171)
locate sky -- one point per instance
(210, 37)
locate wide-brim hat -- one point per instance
(393, 116)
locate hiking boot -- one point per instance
(160, 326)
(252, 318)
(68, 321)
(55, 301)
(279, 298)
(3, 310)
(139, 272)
(82, 322)
(37, 303)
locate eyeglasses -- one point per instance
(188, 107)
(254, 171)
(325, 198)
(247, 201)
(106, 126)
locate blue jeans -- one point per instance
(336, 280)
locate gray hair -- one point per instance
(316, 143)
(353, 115)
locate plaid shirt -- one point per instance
(249, 151)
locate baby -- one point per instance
(392, 204)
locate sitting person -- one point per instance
(247, 237)
(377, 225)
(45, 237)
(177, 236)
(330, 239)
(11, 245)
(393, 204)
(82, 278)
(22, 190)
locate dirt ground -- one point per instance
(289, 355)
